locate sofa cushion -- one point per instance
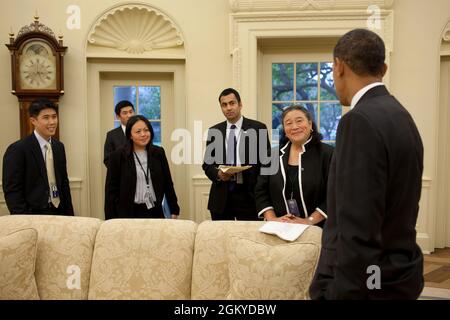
(210, 275)
(17, 265)
(270, 272)
(64, 252)
(143, 259)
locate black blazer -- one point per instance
(315, 164)
(115, 139)
(373, 201)
(121, 178)
(215, 145)
(25, 182)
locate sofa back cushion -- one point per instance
(17, 265)
(143, 259)
(64, 252)
(211, 268)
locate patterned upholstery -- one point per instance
(143, 259)
(259, 271)
(62, 242)
(17, 265)
(156, 259)
(210, 276)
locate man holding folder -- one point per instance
(234, 142)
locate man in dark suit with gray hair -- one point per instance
(369, 248)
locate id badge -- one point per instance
(55, 193)
(148, 202)
(239, 178)
(293, 208)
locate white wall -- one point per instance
(204, 25)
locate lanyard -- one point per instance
(291, 179)
(146, 174)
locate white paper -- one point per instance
(233, 169)
(284, 230)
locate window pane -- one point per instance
(306, 81)
(327, 90)
(330, 114)
(156, 125)
(124, 93)
(312, 108)
(282, 81)
(150, 102)
(277, 109)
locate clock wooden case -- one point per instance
(37, 68)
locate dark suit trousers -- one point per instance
(140, 211)
(50, 210)
(240, 206)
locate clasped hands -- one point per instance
(269, 215)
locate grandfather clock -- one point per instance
(36, 68)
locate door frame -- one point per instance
(95, 67)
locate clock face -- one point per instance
(37, 67)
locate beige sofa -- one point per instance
(87, 258)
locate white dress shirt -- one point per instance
(363, 91)
(42, 143)
(237, 134)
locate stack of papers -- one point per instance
(233, 169)
(284, 230)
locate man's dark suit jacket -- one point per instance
(115, 139)
(121, 178)
(219, 189)
(374, 189)
(25, 182)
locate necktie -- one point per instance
(49, 165)
(231, 153)
(231, 146)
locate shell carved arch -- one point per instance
(446, 33)
(135, 29)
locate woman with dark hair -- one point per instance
(297, 192)
(138, 176)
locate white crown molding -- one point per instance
(135, 29)
(300, 5)
(247, 27)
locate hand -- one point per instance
(174, 216)
(290, 218)
(279, 219)
(270, 215)
(224, 176)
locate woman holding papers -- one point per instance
(138, 176)
(297, 192)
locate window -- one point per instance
(147, 102)
(310, 85)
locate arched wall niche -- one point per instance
(135, 30)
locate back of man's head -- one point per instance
(363, 51)
(40, 104)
